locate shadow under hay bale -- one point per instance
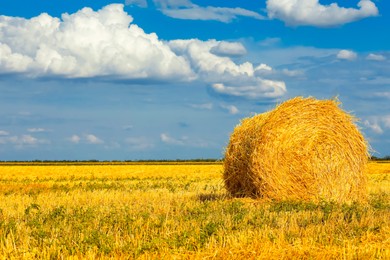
(304, 149)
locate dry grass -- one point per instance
(237, 177)
(304, 149)
(177, 212)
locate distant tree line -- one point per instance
(199, 160)
(94, 161)
(385, 158)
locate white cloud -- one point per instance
(106, 44)
(184, 9)
(374, 126)
(312, 13)
(233, 110)
(224, 48)
(112, 146)
(10, 61)
(22, 140)
(292, 73)
(382, 94)
(92, 139)
(36, 130)
(165, 138)
(263, 70)
(183, 141)
(24, 113)
(380, 79)
(263, 66)
(282, 56)
(386, 121)
(270, 42)
(139, 143)
(87, 138)
(3, 133)
(346, 55)
(75, 139)
(205, 62)
(221, 14)
(378, 124)
(375, 57)
(207, 106)
(223, 74)
(87, 44)
(140, 3)
(28, 139)
(173, 3)
(260, 89)
(128, 127)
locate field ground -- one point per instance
(177, 211)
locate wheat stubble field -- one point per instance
(177, 211)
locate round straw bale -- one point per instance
(304, 149)
(238, 180)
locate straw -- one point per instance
(304, 149)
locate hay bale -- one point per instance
(304, 149)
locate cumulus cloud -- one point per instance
(224, 48)
(260, 89)
(375, 57)
(383, 94)
(106, 44)
(165, 138)
(292, 73)
(93, 139)
(346, 55)
(139, 143)
(3, 133)
(312, 13)
(85, 44)
(374, 126)
(204, 62)
(87, 138)
(263, 70)
(25, 139)
(233, 110)
(22, 140)
(11, 62)
(378, 124)
(75, 139)
(263, 67)
(224, 75)
(37, 130)
(128, 127)
(183, 141)
(3, 137)
(386, 121)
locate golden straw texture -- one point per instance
(304, 149)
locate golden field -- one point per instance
(177, 211)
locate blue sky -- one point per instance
(169, 79)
